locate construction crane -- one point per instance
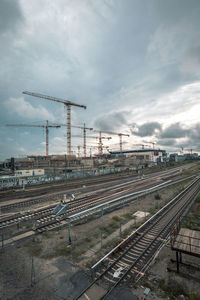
(142, 145)
(182, 149)
(100, 147)
(91, 147)
(152, 143)
(84, 134)
(190, 150)
(112, 133)
(97, 147)
(68, 105)
(47, 126)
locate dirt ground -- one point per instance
(53, 274)
(162, 283)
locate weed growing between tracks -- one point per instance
(192, 221)
(87, 234)
(34, 247)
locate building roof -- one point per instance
(137, 151)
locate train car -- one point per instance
(31, 172)
(22, 178)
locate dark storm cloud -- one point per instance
(108, 55)
(167, 142)
(112, 121)
(174, 131)
(146, 129)
(10, 15)
(176, 135)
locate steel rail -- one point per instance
(167, 208)
(159, 234)
(123, 187)
(74, 205)
(108, 205)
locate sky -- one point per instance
(135, 64)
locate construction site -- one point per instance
(99, 150)
(99, 224)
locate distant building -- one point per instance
(187, 156)
(150, 156)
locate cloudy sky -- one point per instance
(135, 64)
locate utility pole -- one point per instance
(47, 126)
(68, 105)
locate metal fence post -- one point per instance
(33, 273)
(69, 232)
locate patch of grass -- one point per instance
(29, 225)
(147, 284)
(34, 247)
(172, 288)
(161, 284)
(47, 235)
(116, 218)
(193, 296)
(128, 216)
(157, 196)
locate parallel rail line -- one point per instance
(73, 216)
(131, 258)
(77, 204)
(43, 215)
(31, 201)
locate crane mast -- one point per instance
(84, 135)
(100, 144)
(114, 133)
(68, 105)
(47, 126)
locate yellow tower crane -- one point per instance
(47, 126)
(112, 133)
(68, 105)
(84, 128)
(100, 141)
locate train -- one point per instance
(31, 172)
(21, 178)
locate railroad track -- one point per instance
(79, 203)
(131, 258)
(42, 190)
(54, 186)
(54, 196)
(50, 222)
(44, 214)
(86, 210)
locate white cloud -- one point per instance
(24, 109)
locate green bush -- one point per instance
(172, 288)
(193, 296)
(116, 218)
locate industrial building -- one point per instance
(147, 156)
(186, 156)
